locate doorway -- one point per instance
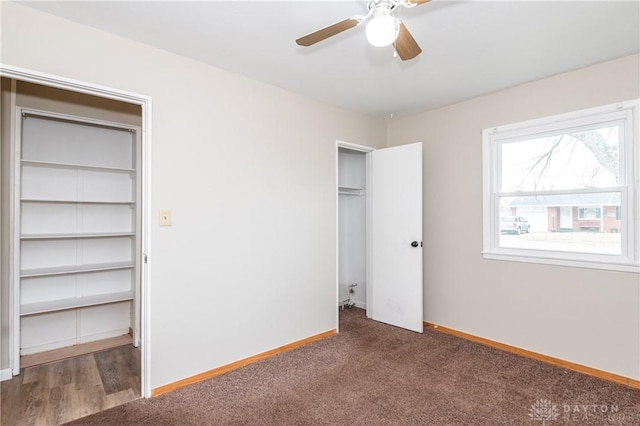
(566, 218)
(79, 100)
(352, 227)
(379, 232)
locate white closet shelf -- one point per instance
(349, 190)
(75, 269)
(75, 236)
(74, 302)
(77, 200)
(54, 165)
(36, 200)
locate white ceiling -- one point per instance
(469, 48)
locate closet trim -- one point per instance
(145, 102)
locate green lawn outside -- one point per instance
(598, 239)
(577, 242)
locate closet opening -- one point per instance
(379, 233)
(353, 219)
(72, 253)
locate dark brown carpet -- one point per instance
(374, 374)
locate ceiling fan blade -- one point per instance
(327, 32)
(417, 2)
(405, 44)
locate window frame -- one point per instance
(626, 113)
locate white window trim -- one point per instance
(629, 261)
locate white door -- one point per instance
(396, 236)
(566, 217)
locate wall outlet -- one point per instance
(165, 217)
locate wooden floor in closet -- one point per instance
(61, 391)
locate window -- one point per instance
(561, 189)
(590, 213)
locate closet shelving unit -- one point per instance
(77, 219)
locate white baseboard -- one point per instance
(5, 374)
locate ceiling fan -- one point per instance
(382, 30)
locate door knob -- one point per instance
(414, 244)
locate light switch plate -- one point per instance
(165, 217)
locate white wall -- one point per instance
(586, 316)
(249, 173)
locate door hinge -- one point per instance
(144, 257)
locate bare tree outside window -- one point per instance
(560, 189)
(584, 159)
(573, 160)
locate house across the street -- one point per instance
(598, 212)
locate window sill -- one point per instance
(608, 266)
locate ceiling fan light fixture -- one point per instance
(381, 30)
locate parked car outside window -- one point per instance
(514, 225)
